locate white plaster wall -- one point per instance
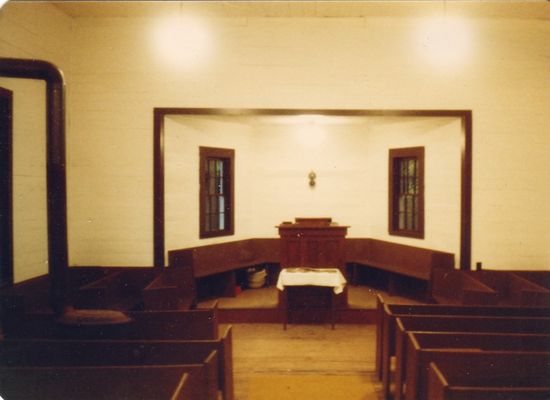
(183, 137)
(31, 31)
(117, 79)
(308, 63)
(349, 156)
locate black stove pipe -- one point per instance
(55, 165)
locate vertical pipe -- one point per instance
(55, 165)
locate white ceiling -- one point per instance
(537, 9)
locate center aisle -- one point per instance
(303, 362)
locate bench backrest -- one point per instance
(513, 289)
(446, 382)
(456, 286)
(39, 352)
(473, 323)
(442, 309)
(173, 289)
(217, 258)
(108, 383)
(482, 341)
(184, 324)
(418, 365)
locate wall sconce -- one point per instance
(312, 177)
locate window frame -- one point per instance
(228, 158)
(394, 177)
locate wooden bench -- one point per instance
(215, 266)
(541, 278)
(159, 325)
(387, 314)
(458, 287)
(173, 289)
(453, 323)
(513, 288)
(419, 344)
(174, 382)
(417, 381)
(117, 290)
(396, 259)
(44, 352)
(34, 294)
(490, 378)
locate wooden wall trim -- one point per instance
(158, 189)
(6, 188)
(466, 192)
(466, 160)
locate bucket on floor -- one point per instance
(256, 278)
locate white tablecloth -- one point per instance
(331, 277)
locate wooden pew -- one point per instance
(215, 266)
(180, 324)
(513, 289)
(117, 290)
(387, 314)
(541, 278)
(33, 352)
(417, 380)
(173, 289)
(418, 342)
(396, 259)
(454, 323)
(102, 383)
(490, 379)
(458, 287)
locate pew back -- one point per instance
(417, 380)
(93, 383)
(388, 313)
(39, 352)
(479, 340)
(487, 380)
(419, 343)
(161, 325)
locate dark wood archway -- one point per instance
(465, 116)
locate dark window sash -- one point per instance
(406, 192)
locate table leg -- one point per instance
(284, 297)
(332, 306)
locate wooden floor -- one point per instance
(311, 351)
(303, 350)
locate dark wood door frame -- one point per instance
(6, 187)
(465, 116)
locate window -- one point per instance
(406, 192)
(216, 192)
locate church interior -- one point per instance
(271, 200)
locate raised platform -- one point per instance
(261, 306)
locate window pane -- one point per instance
(401, 204)
(213, 205)
(401, 224)
(214, 222)
(221, 202)
(406, 191)
(222, 221)
(216, 191)
(207, 227)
